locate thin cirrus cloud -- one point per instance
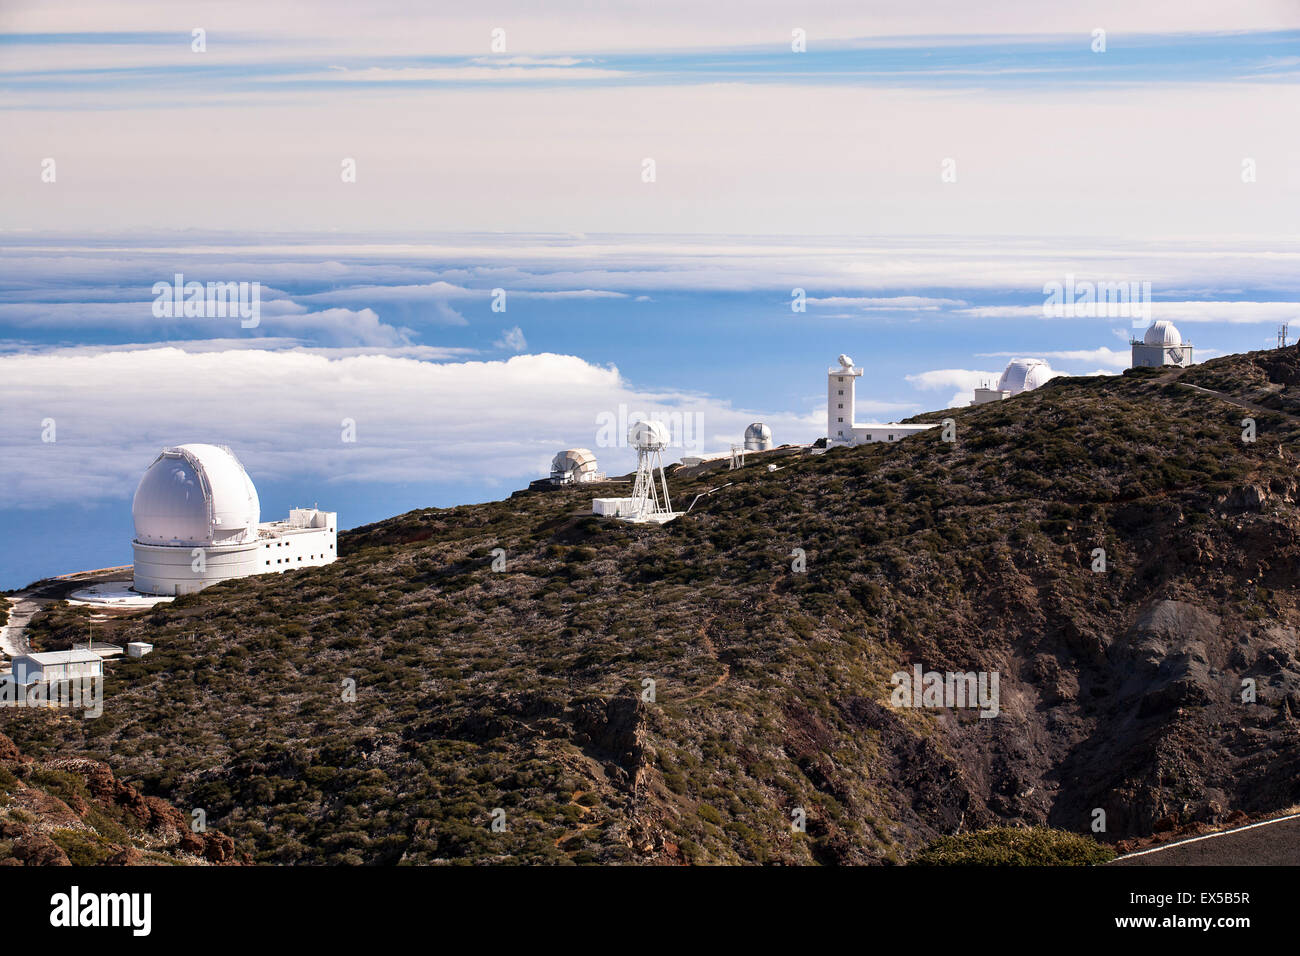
(833, 271)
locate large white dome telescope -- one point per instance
(1024, 374)
(758, 437)
(196, 495)
(198, 522)
(1163, 333)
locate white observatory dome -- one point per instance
(196, 495)
(758, 437)
(573, 461)
(648, 435)
(1024, 374)
(1163, 333)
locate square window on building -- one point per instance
(839, 419)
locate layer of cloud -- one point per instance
(497, 423)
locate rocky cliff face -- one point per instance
(73, 810)
(1111, 548)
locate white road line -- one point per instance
(1208, 836)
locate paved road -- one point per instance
(21, 608)
(12, 639)
(1267, 844)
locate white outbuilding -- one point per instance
(197, 522)
(1161, 344)
(54, 666)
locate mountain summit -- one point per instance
(1119, 551)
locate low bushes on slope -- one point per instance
(1015, 846)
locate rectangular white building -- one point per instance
(54, 666)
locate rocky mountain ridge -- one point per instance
(684, 694)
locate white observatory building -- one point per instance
(758, 437)
(197, 522)
(1020, 375)
(574, 466)
(1161, 345)
(841, 429)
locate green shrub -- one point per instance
(1015, 846)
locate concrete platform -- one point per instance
(116, 594)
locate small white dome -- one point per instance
(575, 461)
(845, 361)
(758, 437)
(648, 435)
(1163, 333)
(196, 495)
(1024, 374)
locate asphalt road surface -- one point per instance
(1266, 844)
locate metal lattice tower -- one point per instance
(649, 439)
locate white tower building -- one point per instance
(1161, 345)
(841, 399)
(197, 522)
(840, 396)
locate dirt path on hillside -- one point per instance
(22, 608)
(713, 653)
(583, 825)
(1241, 402)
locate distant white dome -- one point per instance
(1024, 374)
(758, 437)
(648, 435)
(846, 362)
(1163, 333)
(574, 461)
(196, 495)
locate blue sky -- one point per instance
(523, 170)
(241, 63)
